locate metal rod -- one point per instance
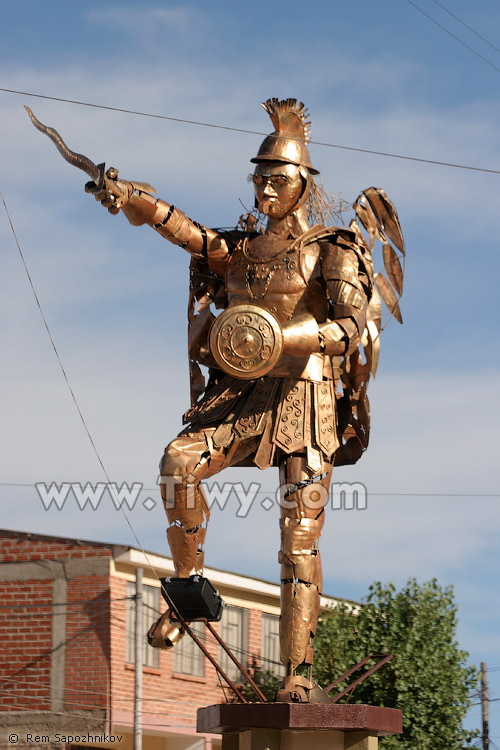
(347, 674)
(258, 692)
(373, 669)
(138, 661)
(200, 645)
(217, 667)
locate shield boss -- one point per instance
(246, 341)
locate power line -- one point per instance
(82, 418)
(257, 132)
(460, 41)
(235, 649)
(105, 610)
(129, 523)
(371, 494)
(466, 25)
(431, 494)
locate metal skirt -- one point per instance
(258, 422)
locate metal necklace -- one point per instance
(259, 272)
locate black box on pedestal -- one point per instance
(194, 598)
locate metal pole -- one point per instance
(260, 695)
(200, 645)
(484, 706)
(138, 661)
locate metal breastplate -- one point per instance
(266, 271)
(283, 277)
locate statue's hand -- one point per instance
(301, 336)
(114, 193)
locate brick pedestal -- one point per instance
(299, 726)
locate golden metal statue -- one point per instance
(289, 357)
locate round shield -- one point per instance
(246, 341)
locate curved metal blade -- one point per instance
(77, 160)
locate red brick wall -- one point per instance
(88, 644)
(27, 617)
(95, 615)
(25, 642)
(20, 547)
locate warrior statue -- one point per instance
(288, 358)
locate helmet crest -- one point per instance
(291, 134)
(288, 117)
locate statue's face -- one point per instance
(278, 188)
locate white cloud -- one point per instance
(168, 153)
(135, 18)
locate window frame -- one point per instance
(270, 657)
(240, 649)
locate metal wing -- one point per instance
(379, 218)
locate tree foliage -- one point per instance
(268, 683)
(428, 678)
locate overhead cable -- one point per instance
(270, 492)
(483, 39)
(457, 38)
(254, 132)
(63, 370)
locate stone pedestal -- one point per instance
(298, 726)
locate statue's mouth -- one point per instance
(266, 203)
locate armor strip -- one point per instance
(218, 401)
(314, 460)
(250, 421)
(186, 507)
(308, 570)
(184, 547)
(224, 435)
(298, 537)
(325, 422)
(299, 610)
(343, 292)
(339, 263)
(265, 452)
(292, 422)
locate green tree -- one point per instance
(428, 678)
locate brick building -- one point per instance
(67, 619)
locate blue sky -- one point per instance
(377, 76)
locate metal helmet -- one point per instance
(291, 134)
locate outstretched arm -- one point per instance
(140, 207)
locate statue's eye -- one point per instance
(276, 180)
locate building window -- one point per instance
(271, 645)
(233, 630)
(188, 657)
(150, 613)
